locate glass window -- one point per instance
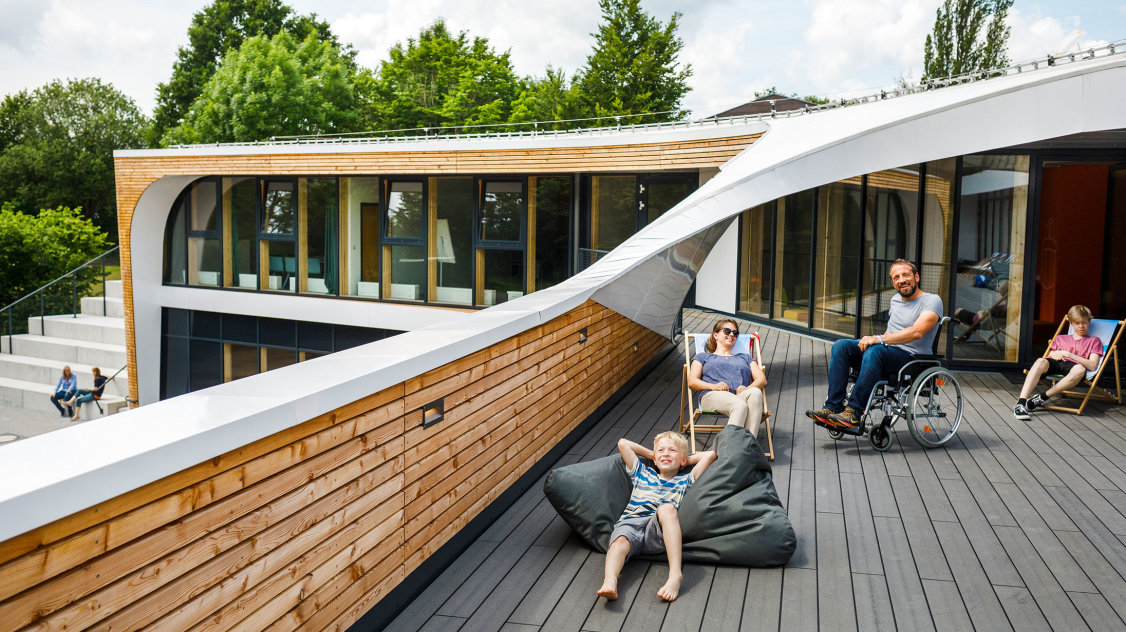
(205, 260)
(890, 233)
(937, 230)
(502, 275)
(206, 364)
(453, 240)
(663, 193)
(314, 336)
(548, 246)
(756, 232)
(502, 211)
(360, 230)
(277, 358)
(991, 244)
(239, 361)
(278, 203)
(613, 210)
(277, 332)
(240, 203)
(205, 325)
(319, 274)
(346, 337)
(838, 257)
(175, 242)
(404, 210)
(240, 328)
(280, 259)
(406, 272)
(175, 321)
(792, 261)
(205, 206)
(174, 367)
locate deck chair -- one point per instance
(1110, 332)
(693, 344)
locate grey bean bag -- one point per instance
(732, 515)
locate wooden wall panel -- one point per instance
(309, 528)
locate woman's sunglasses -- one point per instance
(730, 332)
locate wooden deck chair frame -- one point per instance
(1089, 388)
(689, 424)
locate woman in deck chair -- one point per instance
(1070, 355)
(731, 383)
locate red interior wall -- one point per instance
(1070, 255)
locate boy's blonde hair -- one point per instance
(1078, 313)
(673, 436)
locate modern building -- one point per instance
(310, 494)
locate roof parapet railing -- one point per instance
(426, 134)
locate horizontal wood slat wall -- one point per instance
(309, 528)
(135, 174)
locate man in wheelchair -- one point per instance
(911, 331)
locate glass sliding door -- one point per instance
(319, 256)
(548, 239)
(992, 226)
(499, 240)
(277, 248)
(890, 233)
(613, 211)
(756, 232)
(240, 213)
(359, 266)
(403, 241)
(452, 241)
(838, 257)
(792, 269)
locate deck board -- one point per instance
(1012, 526)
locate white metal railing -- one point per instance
(425, 133)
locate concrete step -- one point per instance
(81, 327)
(44, 371)
(98, 354)
(114, 289)
(36, 396)
(93, 306)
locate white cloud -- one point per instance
(1034, 36)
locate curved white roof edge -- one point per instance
(50, 476)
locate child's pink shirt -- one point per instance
(1083, 347)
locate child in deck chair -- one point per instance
(1070, 355)
(650, 523)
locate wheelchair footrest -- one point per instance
(858, 429)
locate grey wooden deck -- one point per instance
(1011, 526)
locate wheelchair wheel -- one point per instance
(881, 437)
(934, 407)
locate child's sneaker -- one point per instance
(1020, 411)
(1036, 401)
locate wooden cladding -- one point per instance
(309, 528)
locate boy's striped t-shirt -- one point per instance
(651, 491)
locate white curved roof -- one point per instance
(50, 476)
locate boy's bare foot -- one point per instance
(671, 589)
(609, 590)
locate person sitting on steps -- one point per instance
(910, 331)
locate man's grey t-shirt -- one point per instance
(903, 314)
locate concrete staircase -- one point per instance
(96, 337)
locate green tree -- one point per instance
(37, 249)
(273, 86)
(633, 68)
(219, 28)
(968, 36)
(441, 80)
(56, 147)
(549, 98)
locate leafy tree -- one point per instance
(56, 147)
(37, 249)
(968, 36)
(633, 68)
(219, 28)
(441, 80)
(550, 98)
(273, 86)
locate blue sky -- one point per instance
(833, 48)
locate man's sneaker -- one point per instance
(821, 414)
(1020, 411)
(847, 418)
(1036, 401)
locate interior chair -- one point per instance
(1109, 332)
(693, 344)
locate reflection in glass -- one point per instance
(175, 256)
(282, 271)
(407, 273)
(889, 234)
(553, 213)
(838, 257)
(278, 207)
(792, 261)
(665, 193)
(937, 233)
(503, 274)
(205, 205)
(321, 250)
(404, 210)
(453, 240)
(502, 211)
(756, 232)
(613, 210)
(991, 243)
(243, 208)
(206, 364)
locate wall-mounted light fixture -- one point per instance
(582, 335)
(634, 347)
(433, 412)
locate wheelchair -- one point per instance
(924, 393)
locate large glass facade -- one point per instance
(890, 233)
(792, 261)
(755, 257)
(838, 257)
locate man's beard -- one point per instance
(907, 290)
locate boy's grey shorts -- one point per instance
(644, 535)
